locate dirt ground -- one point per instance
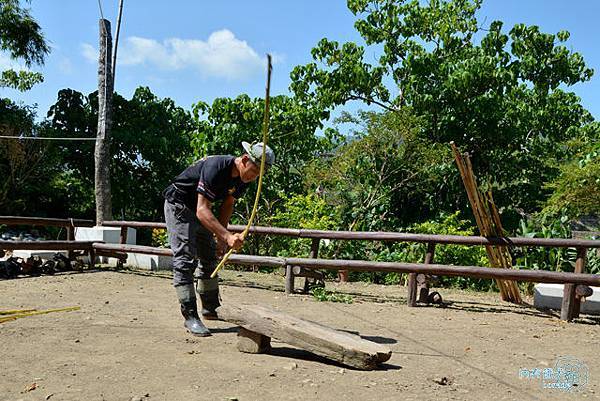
(127, 343)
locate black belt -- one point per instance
(174, 194)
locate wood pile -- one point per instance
(488, 221)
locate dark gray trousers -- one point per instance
(190, 241)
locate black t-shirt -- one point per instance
(211, 177)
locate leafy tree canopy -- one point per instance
(502, 97)
(22, 38)
(149, 144)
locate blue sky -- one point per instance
(200, 50)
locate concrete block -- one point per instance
(110, 235)
(549, 296)
(149, 262)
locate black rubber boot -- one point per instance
(210, 303)
(189, 310)
(192, 323)
(208, 291)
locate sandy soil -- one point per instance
(127, 343)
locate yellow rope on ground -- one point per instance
(37, 312)
(262, 167)
(12, 312)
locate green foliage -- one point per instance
(21, 35)
(160, 238)
(321, 294)
(576, 191)
(386, 175)
(502, 99)
(538, 258)
(222, 126)
(22, 38)
(149, 143)
(304, 212)
(445, 224)
(21, 80)
(25, 176)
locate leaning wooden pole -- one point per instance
(102, 150)
(489, 224)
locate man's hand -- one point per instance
(235, 241)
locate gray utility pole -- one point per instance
(102, 151)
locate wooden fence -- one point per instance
(574, 282)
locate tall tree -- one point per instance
(503, 98)
(22, 38)
(150, 145)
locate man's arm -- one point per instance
(226, 210)
(208, 220)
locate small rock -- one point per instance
(272, 374)
(29, 388)
(306, 381)
(48, 396)
(342, 371)
(106, 302)
(77, 340)
(292, 366)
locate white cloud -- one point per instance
(221, 55)
(89, 52)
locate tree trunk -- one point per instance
(102, 151)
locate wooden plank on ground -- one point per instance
(340, 346)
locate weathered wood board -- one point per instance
(340, 346)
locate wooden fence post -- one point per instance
(70, 237)
(314, 253)
(123, 236)
(423, 281)
(570, 302)
(411, 299)
(289, 279)
(419, 281)
(314, 248)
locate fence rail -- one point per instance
(391, 236)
